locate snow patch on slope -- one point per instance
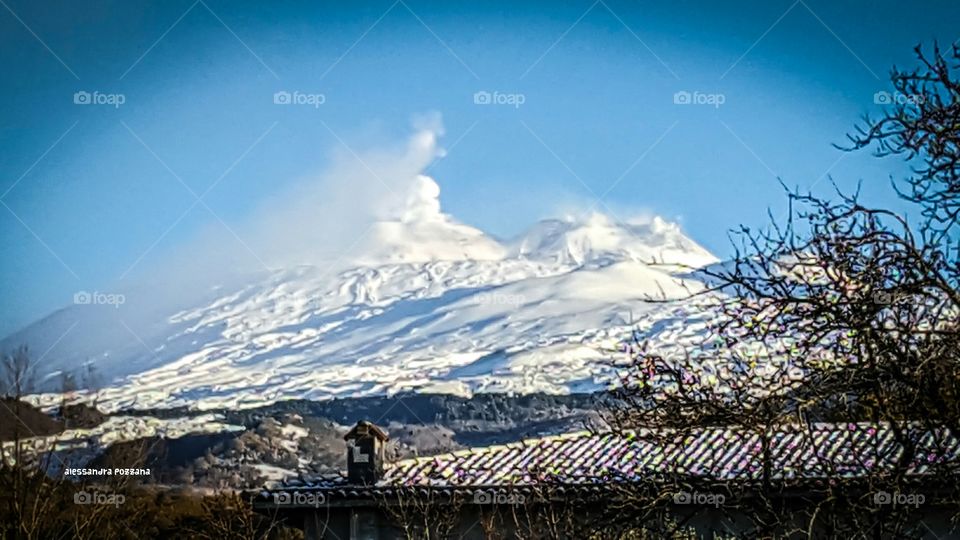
(422, 302)
(511, 325)
(599, 238)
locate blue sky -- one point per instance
(90, 191)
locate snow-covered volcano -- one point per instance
(420, 302)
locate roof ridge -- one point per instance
(627, 434)
(473, 450)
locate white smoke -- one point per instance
(321, 219)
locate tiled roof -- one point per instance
(719, 454)
(828, 450)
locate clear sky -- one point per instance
(91, 190)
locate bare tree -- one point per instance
(38, 500)
(422, 513)
(843, 315)
(922, 127)
(229, 516)
(33, 490)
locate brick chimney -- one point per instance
(365, 452)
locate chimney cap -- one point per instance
(364, 429)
